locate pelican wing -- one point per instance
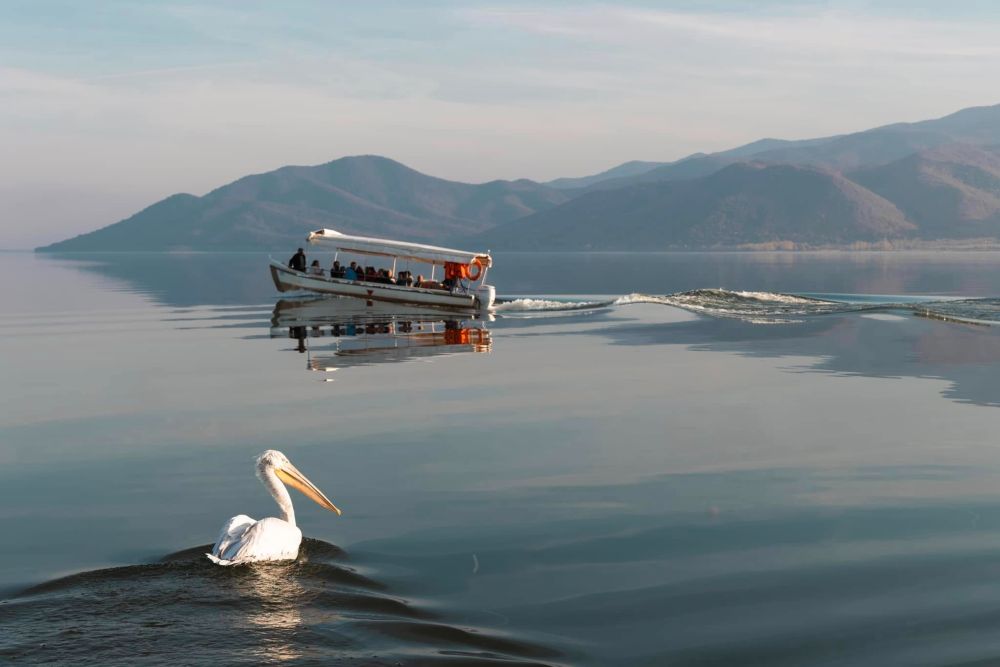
(264, 540)
(230, 538)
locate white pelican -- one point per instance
(244, 540)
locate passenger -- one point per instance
(315, 269)
(352, 272)
(298, 261)
(336, 271)
(405, 279)
(388, 277)
(430, 284)
(419, 281)
(370, 275)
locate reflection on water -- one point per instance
(966, 355)
(277, 603)
(367, 333)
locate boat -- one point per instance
(350, 334)
(462, 288)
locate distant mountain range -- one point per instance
(931, 181)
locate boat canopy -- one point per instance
(401, 249)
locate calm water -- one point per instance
(704, 459)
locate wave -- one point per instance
(768, 307)
(184, 610)
(530, 305)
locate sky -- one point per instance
(108, 106)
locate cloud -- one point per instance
(804, 30)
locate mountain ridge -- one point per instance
(935, 179)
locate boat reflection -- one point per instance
(356, 334)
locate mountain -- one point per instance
(951, 191)
(880, 145)
(877, 146)
(633, 168)
(694, 166)
(367, 195)
(745, 203)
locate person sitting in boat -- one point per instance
(405, 279)
(315, 269)
(419, 281)
(351, 273)
(298, 261)
(428, 284)
(336, 271)
(370, 275)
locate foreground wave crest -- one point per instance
(184, 610)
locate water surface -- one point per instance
(772, 459)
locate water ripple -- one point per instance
(184, 610)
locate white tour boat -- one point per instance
(465, 272)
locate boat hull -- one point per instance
(288, 280)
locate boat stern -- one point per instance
(485, 296)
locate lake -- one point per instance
(643, 459)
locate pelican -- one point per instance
(244, 540)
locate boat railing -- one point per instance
(461, 287)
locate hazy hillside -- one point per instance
(365, 195)
(633, 168)
(949, 192)
(690, 167)
(740, 204)
(977, 125)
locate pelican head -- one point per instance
(274, 462)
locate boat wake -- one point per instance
(768, 307)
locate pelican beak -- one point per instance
(290, 475)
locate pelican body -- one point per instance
(244, 540)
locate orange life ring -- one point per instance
(478, 263)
